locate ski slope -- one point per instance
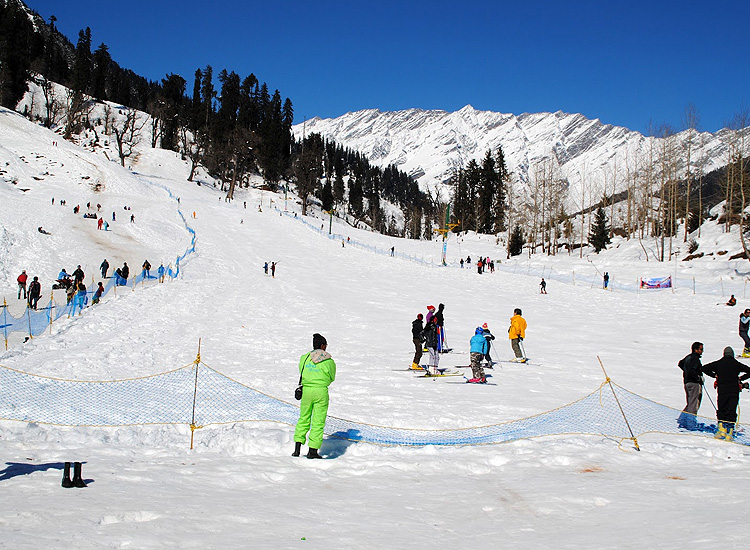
(239, 487)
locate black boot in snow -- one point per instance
(297, 448)
(66, 477)
(77, 479)
(313, 453)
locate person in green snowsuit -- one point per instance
(318, 371)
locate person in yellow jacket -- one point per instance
(317, 371)
(516, 333)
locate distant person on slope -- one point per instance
(98, 294)
(692, 378)
(440, 328)
(480, 347)
(416, 337)
(744, 326)
(22, 278)
(430, 314)
(606, 280)
(543, 287)
(35, 292)
(489, 337)
(317, 371)
(146, 269)
(732, 301)
(430, 336)
(104, 267)
(516, 334)
(160, 271)
(728, 385)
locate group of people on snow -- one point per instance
(428, 338)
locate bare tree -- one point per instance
(127, 131)
(690, 121)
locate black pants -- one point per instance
(417, 350)
(726, 405)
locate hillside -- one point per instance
(239, 487)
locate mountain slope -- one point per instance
(432, 144)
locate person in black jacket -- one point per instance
(441, 331)
(416, 337)
(728, 385)
(430, 336)
(692, 377)
(35, 292)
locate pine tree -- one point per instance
(515, 246)
(599, 236)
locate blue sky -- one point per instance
(626, 63)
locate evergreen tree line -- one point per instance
(233, 132)
(479, 194)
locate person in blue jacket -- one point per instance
(479, 348)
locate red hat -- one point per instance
(484, 326)
(419, 315)
(430, 307)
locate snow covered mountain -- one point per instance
(431, 144)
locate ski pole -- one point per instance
(523, 349)
(709, 397)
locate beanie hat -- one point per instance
(430, 307)
(484, 326)
(479, 331)
(728, 352)
(420, 316)
(318, 341)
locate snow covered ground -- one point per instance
(239, 487)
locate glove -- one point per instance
(744, 386)
(520, 338)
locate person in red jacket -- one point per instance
(22, 278)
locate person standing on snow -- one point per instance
(146, 269)
(22, 278)
(35, 292)
(516, 334)
(317, 371)
(98, 294)
(416, 337)
(78, 275)
(430, 314)
(104, 267)
(606, 280)
(430, 336)
(489, 337)
(441, 330)
(160, 272)
(728, 385)
(692, 378)
(480, 347)
(744, 326)
(543, 287)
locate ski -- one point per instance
(440, 375)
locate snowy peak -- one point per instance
(432, 144)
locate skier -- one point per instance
(441, 330)
(489, 337)
(516, 334)
(728, 385)
(692, 378)
(273, 269)
(480, 348)
(606, 280)
(35, 292)
(22, 278)
(265, 268)
(317, 371)
(430, 336)
(416, 337)
(543, 287)
(80, 298)
(744, 326)
(161, 271)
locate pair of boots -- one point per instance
(415, 366)
(77, 480)
(725, 430)
(311, 453)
